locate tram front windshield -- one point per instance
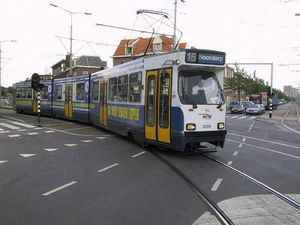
(200, 87)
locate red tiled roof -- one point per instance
(141, 45)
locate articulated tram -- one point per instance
(173, 100)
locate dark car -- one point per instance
(231, 104)
(237, 109)
(247, 104)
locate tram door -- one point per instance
(157, 105)
(68, 100)
(103, 102)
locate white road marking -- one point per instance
(240, 145)
(27, 155)
(59, 188)
(100, 138)
(244, 139)
(264, 140)
(49, 131)
(235, 153)
(38, 128)
(106, 168)
(14, 135)
(229, 163)
(5, 131)
(143, 152)
(86, 141)
(10, 126)
(267, 149)
(216, 184)
(50, 149)
(34, 133)
(22, 124)
(70, 145)
(4, 161)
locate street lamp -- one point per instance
(71, 31)
(1, 68)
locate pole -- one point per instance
(0, 78)
(71, 53)
(71, 35)
(174, 37)
(271, 92)
(39, 105)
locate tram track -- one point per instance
(220, 215)
(293, 112)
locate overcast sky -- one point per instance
(249, 31)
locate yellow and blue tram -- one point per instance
(155, 100)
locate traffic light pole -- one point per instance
(39, 105)
(35, 85)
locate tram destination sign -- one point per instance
(205, 57)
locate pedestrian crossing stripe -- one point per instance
(9, 126)
(22, 124)
(14, 125)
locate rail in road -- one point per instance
(288, 115)
(221, 213)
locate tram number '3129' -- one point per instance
(207, 126)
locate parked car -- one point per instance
(247, 104)
(253, 109)
(237, 109)
(263, 108)
(231, 104)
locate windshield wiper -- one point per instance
(188, 99)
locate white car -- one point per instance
(253, 109)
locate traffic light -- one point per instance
(35, 81)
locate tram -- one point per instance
(173, 100)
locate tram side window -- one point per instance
(44, 92)
(96, 91)
(18, 93)
(123, 88)
(28, 91)
(58, 93)
(112, 89)
(135, 80)
(80, 91)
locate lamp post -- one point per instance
(1, 69)
(71, 33)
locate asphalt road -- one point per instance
(60, 172)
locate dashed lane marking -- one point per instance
(59, 188)
(216, 184)
(14, 135)
(27, 155)
(51, 149)
(108, 167)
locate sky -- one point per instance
(253, 33)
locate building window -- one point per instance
(157, 47)
(128, 50)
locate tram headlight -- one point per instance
(190, 126)
(221, 126)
